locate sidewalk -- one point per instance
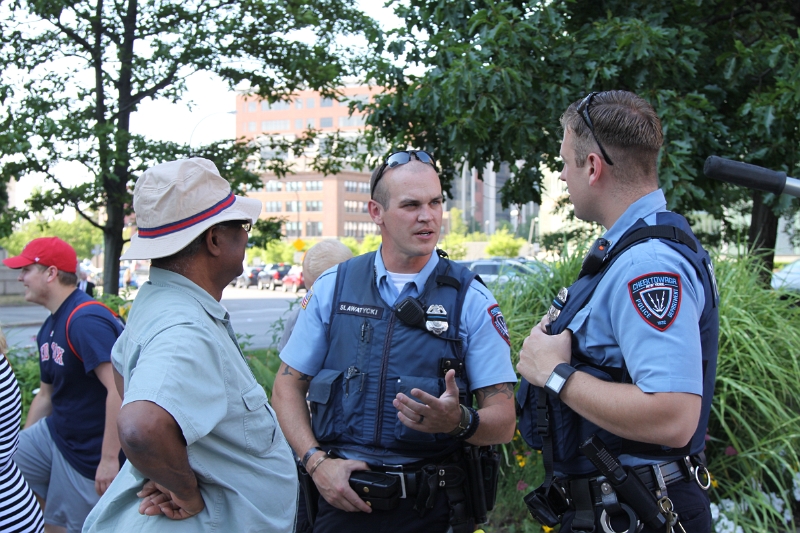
(20, 316)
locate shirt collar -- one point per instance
(159, 276)
(645, 206)
(419, 280)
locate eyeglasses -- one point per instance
(244, 224)
(583, 111)
(401, 158)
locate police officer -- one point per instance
(389, 348)
(628, 353)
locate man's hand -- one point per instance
(332, 478)
(432, 415)
(107, 470)
(541, 353)
(157, 500)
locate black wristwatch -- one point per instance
(558, 379)
(308, 455)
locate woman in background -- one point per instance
(19, 512)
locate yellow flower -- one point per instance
(520, 460)
(547, 529)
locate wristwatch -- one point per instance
(308, 455)
(558, 379)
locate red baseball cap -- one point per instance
(47, 251)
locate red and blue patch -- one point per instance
(657, 298)
(499, 322)
(307, 298)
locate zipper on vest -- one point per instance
(382, 379)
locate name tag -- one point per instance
(360, 310)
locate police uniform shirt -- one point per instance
(482, 327)
(646, 312)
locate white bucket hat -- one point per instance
(177, 201)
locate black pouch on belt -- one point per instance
(380, 490)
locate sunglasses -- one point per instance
(583, 111)
(401, 158)
(244, 224)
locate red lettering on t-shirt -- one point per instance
(44, 351)
(58, 354)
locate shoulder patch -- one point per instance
(307, 297)
(657, 298)
(499, 322)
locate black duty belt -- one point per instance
(412, 476)
(670, 473)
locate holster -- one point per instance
(310, 492)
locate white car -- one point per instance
(788, 277)
(502, 270)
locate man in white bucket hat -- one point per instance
(204, 449)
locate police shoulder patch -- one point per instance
(499, 322)
(307, 298)
(657, 298)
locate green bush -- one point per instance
(25, 364)
(754, 431)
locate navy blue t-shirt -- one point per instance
(79, 398)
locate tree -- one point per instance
(74, 72)
(723, 75)
(82, 235)
(504, 244)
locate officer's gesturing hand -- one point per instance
(332, 479)
(541, 353)
(430, 414)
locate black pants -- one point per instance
(402, 519)
(688, 499)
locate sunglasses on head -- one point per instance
(401, 158)
(583, 111)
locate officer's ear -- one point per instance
(376, 211)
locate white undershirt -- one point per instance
(400, 280)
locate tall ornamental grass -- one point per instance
(754, 433)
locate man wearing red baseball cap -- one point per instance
(69, 451)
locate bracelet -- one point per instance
(463, 423)
(316, 464)
(474, 422)
(308, 455)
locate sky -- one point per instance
(201, 117)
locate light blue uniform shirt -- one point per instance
(487, 353)
(180, 352)
(610, 329)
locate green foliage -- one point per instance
(455, 244)
(74, 72)
(25, 363)
(497, 74)
(369, 243)
(504, 244)
(351, 243)
(265, 230)
(754, 429)
(82, 235)
(457, 224)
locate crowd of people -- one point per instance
(396, 377)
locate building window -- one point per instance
(359, 229)
(298, 124)
(313, 185)
(294, 186)
(309, 103)
(363, 187)
(326, 102)
(326, 122)
(293, 207)
(313, 229)
(251, 107)
(275, 106)
(353, 186)
(298, 104)
(313, 205)
(251, 126)
(292, 229)
(273, 207)
(264, 105)
(274, 186)
(311, 123)
(274, 125)
(355, 120)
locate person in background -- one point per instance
(84, 284)
(69, 451)
(19, 512)
(317, 260)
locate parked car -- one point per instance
(272, 276)
(502, 270)
(787, 278)
(293, 280)
(248, 277)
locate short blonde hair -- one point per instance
(321, 257)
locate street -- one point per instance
(254, 315)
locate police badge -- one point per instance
(436, 319)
